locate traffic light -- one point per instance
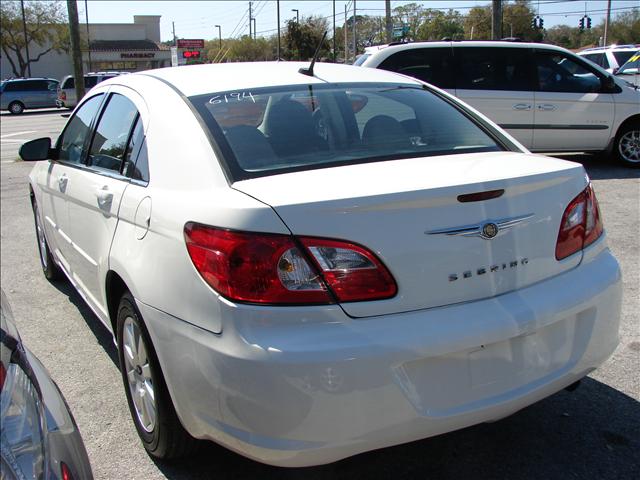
(541, 23)
(588, 22)
(537, 22)
(534, 23)
(582, 23)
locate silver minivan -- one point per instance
(22, 93)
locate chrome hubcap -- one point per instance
(629, 146)
(42, 243)
(15, 108)
(136, 363)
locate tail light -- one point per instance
(581, 224)
(281, 269)
(62, 95)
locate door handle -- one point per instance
(105, 197)
(522, 106)
(62, 182)
(546, 107)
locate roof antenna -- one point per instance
(309, 71)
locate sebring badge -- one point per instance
(488, 230)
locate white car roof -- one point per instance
(223, 77)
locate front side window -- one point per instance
(480, 68)
(560, 73)
(75, 135)
(599, 59)
(279, 129)
(624, 56)
(431, 65)
(112, 134)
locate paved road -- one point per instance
(593, 432)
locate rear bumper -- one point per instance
(304, 386)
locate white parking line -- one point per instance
(17, 133)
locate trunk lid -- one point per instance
(401, 209)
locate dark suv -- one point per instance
(19, 94)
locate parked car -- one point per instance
(18, 94)
(549, 99)
(630, 71)
(305, 265)
(610, 58)
(39, 436)
(66, 95)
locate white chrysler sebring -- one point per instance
(303, 265)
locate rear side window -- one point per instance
(598, 58)
(90, 82)
(431, 65)
(12, 87)
(136, 158)
(112, 134)
(493, 69)
(316, 126)
(69, 83)
(623, 57)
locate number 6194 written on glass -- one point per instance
(232, 97)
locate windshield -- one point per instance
(361, 59)
(274, 130)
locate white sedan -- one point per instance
(302, 266)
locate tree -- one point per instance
(301, 39)
(516, 21)
(477, 24)
(411, 15)
(438, 25)
(625, 27)
(46, 28)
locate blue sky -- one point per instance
(197, 19)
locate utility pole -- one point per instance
(606, 24)
(346, 46)
(334, 31)
(388, 24)
(355, 51)
(496, 20)
(254, 28)
(278, 9)
(76, 54)
(250, 19)
(219, 37)
(175, 40)
(86, 17)
(26, 41)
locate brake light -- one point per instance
(63, 95)
(581, 224)
(66, 473)
(280, 269)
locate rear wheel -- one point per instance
(152, 411)
(16, 108)
(627, 146)
(49, 268)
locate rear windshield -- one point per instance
(281, 129)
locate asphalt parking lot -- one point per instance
(593, 432)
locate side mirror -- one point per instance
(609, 85)
(38, 149)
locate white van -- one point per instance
(67, 87)
(548, 98)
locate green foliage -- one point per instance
(46, 27)
(301, 39)
(438, 25)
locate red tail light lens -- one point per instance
(63, 95)
(65, 471)
(352, 272)
(581, 224)
(273, 269)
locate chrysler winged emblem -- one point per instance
(487, 230)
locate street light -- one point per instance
(297, 14)
(219, 37)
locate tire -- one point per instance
(152, 411)
(49, 267)
(627, 145)
(16, 108)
